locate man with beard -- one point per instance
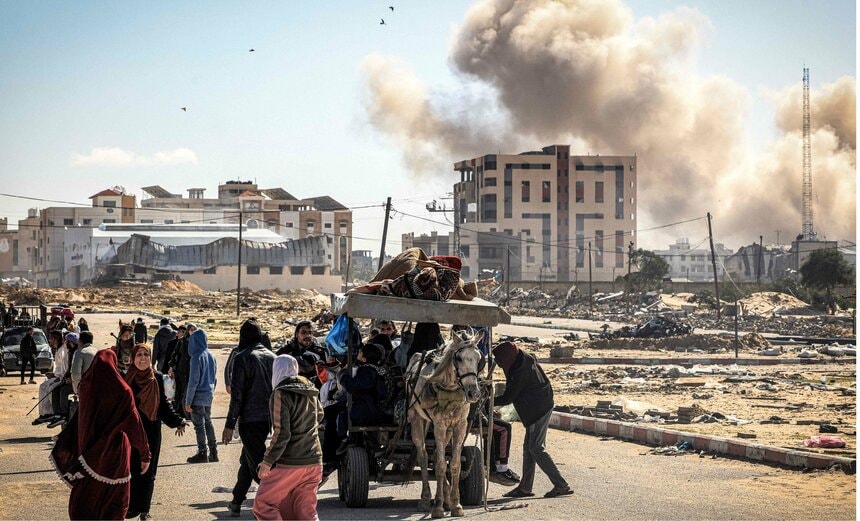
(304, 342)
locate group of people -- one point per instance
(108, 451)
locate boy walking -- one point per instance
(198, 396)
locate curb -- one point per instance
(660, 437)
(584, 360)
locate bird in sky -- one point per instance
(184, 109)
(391, 7)
(381, 21)
(250, 50)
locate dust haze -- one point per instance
(588, 73)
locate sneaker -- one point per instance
(213, 456)
(563, 490)
(200, 457)
(235, 509)
(146, 516)
(45, 418)
(503, 478)
(513, 475)
(56, 421)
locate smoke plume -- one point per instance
(586, 72)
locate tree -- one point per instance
(824, 270)
(652, 270)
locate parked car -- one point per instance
(10, 346)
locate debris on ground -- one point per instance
(824, 442)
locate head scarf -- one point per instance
(96, 441)
(284, 366)
(144, 385)
(72, 338)
(250, 334)
(505, 355)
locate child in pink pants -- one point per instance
(289, 493)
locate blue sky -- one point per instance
(76, 76)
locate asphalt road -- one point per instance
(612, 480)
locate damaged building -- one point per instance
(205, 254)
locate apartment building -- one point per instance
(694, 264)
(545, 207)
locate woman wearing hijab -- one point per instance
(93, 453)
(292, 466)
(147, 386)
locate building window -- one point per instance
(276, 270)
(489, 181)
(317, 270)
(311, 226)
(146, 221)
(109, 221)
(598, 244)
(488, 208)
(547, 191)
(209, 271)
(252, 270)
(168, 221)
(598, 192)
(526, 191)
(297, 270)
(464, 251)
(68, 222)
(109, 204)
(580, 191)
(14, 252)
(326, 225)
(288, 224)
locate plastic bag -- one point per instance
(508, 413)
(337, 340)
(169, 387)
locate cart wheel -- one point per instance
(356, 477)
(472, 486)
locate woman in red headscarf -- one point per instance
(147, 386)
(93, 453)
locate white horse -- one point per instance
(440, 391)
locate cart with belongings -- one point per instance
(384, 453)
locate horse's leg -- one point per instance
(440, 428)
(419, 433)
(458, 438)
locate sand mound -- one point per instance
(181, 286)
(772, 302)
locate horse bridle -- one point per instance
(457, 371)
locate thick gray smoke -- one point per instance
(586, 72)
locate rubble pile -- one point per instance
(770, 303)
(704, 343)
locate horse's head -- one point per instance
(467, 361)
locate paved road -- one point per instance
(612, 479)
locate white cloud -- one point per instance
(115, 157)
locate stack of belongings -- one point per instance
(412, 274)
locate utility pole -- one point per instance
(714, 265)
(760, 263)
(508, 277)
(384, 235)
(590, 291)
(239, 268)
(777, 238)
(629, 266)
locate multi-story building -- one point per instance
(271, 208)
(545, 207)
(693, 264)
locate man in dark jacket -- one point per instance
(159, 345)
(28, 355)
(529, 390)
(250, 389)
(303, 342)
(140, 334)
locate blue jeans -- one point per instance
(201, 417)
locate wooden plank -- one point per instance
(477, 312)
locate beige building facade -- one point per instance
(545, 207)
